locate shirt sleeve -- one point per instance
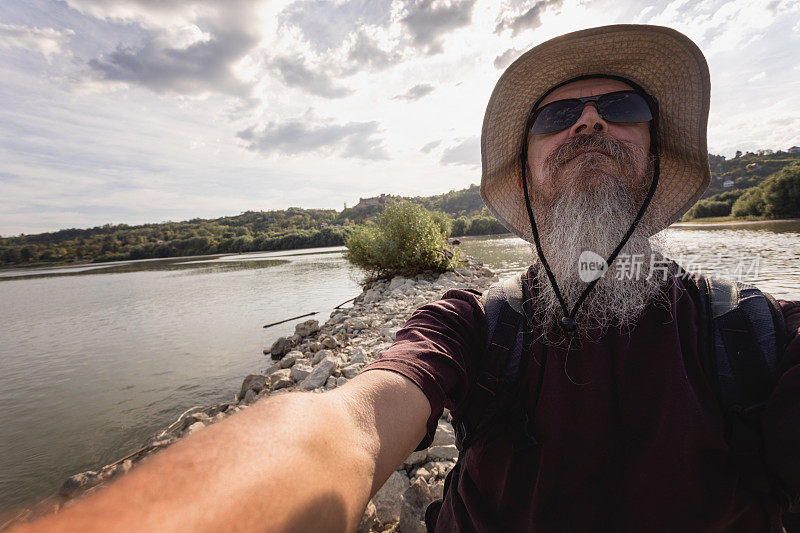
(436, 349)
(782, 414)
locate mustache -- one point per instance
(616, 150)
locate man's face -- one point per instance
(593, 166)
(587, 183)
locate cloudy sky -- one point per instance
(139, 111)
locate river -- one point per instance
(96, 358)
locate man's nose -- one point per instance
(590, 121)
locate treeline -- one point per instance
(762, 184)
(776, 196)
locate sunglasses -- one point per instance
(619, 106)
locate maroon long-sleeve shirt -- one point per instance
(631, 434)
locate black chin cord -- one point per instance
(568, 323)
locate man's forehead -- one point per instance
(586, 87)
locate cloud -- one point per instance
(759, 76)
(46, 41)
(189, 47)
(294, 73)
(428, 21)
(326, 24)
(430, 146)
(365, 53)
(529, 20)
(351, 140)
(466, 152)
(415, 93)
(506, 58)
(200, 67)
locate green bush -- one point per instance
(781, 193)
(751, 203)
(406, 239)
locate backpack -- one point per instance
(743, 338)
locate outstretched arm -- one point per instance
(295, 462)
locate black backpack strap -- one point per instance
(743, 341)
(492, 393)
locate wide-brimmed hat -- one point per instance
(664, 62)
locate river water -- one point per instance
(94, 359)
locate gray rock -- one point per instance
(280, 347)
(355, 324)
(315, 346)
(416, 458)
(445, 435)
(304, 329)
(341, 338)
(341, 381)
(330, 383)
(437, 490)
(79, 483)
(420, 472)
(320, 355)
(255, 382)
(328, 341)
(300, 371)
(197, 426)
(397, 281)
(388, 500)
(443, 453)
(290, 358)
(351, 371)
(280, 379)
(412, 511)
(319, 375)
(369, 520)
(357, 355)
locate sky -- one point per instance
(135, 111)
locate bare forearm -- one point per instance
(294, 462)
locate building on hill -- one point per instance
(794, 150)
(377, 200)
(727, 183)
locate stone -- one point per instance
(255, 382)
(330, 383)
(351, 371)
(445, 435)
(388, 500)
(328, 341)
(197, 426)
(290, 358)
(412, 510)
(319, 374)
(357, 355)
(280, 379)
(300, 371)
(78, 483)
(416, 458)
(341, 381)
(341, 338)
(320, 355)
(200, 416)
(369, 520)
(304, 329)
(280, 347)
(444, 453)
(421, 472)
(315, 346)
(396, 283)
(355, 324)
(437, 490)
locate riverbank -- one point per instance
(729, 221)
(318, 358)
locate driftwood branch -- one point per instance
(290, 319)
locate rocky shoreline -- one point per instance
(318, 358)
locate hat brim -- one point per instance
(664, 62)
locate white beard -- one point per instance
(597, 219)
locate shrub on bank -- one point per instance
(406, 239)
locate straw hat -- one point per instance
(664, 62)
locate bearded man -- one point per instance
(610, 418)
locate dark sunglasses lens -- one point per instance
(557, 116)
(624, 107)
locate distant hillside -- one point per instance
(303, 228)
